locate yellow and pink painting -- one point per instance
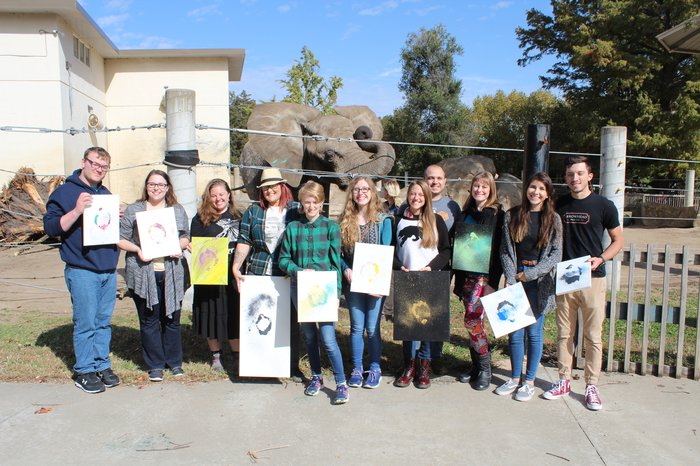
(209, 264)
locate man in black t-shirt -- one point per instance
(585, 216)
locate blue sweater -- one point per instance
(101, 258)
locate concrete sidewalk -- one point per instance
(645, 420)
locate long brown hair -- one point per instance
(520, 216)
(427, 217)
(170, 199)
(207, 212)
(492, 200)
(349, 228)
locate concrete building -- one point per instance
(59, 70)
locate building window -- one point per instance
(81, 51)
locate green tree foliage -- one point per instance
(613, 71)
(433, 112)
(305, 86)
(239, 108)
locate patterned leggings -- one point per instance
(472, 290)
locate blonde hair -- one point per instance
(392, 188)
(313, 189)
(427, 217)
(349, 228)
(492, 200)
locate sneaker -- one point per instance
(155, 375)
(525, 392)
(89, 383)
(178, 372)
(507, 388)
(558, 390)
(314, 385)
(109, 378)
(355, 379)
(342, 395)
(374, 378)
(216, 365)
(593, 398)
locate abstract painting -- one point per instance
(158, 233)
(371, 269)
(472, 247)
(101, 220)
(508, 310)
(265, 327)
(574, 275)
(209, 264)
(422, 306)
(317, 296)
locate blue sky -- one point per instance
(359, 41)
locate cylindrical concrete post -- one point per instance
(536, 158)
(181, 146)
(689, 188)
(613, 163)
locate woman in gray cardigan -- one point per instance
(530, 251)
(158, 284)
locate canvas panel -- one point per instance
(422, 306)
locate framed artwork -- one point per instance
(158, 233)
(209, 264)
(472, 247)
(371, 269)
(101, 220)
(573, 275)
(422, 306)
(508, 310)
(317, 296)
(265, 327)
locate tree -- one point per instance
(239, 108)
(613, 71)
(305, 86)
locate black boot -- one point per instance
(483, 380)
(473, 372)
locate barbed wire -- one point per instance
(73, 131)
(32, 286)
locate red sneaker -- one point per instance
(558, 390)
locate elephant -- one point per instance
(357, 122)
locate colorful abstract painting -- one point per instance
(101, 220)
(422, 306)
(158, 233)
(574, 275)
(265, 327)
(371, 269)
(472, 247)
(317, 296)
(209, 264)
(508, 310)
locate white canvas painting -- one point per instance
(317, 296)
(574, 275)
(371, 269)
(158, 233)
(508, 310)
(265, 327)
(101, 220)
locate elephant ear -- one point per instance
(361, 115)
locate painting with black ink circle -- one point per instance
(372, 269)
(209, 264)
(158, 233)
(317, 296)
(101, 220)
(508, 310)
(573, 275)
(265, 327)
(422, 305)
(472, 247)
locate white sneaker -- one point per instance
(507, 388)
(525, 392)
(593, 398)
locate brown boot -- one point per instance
(407, 375)
(424, 373)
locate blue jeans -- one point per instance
(516, 340)
(411, 350)
(93, 295)
(365, 315)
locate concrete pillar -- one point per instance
(613, 147)
(181, 146)
(689, 188)
(536, 158)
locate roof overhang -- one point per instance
(683, 38)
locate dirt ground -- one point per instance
(31, 278)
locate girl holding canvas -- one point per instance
(157, 285)
(482, 208)
(530, 251)
(313, 243)
(363, 221)
(422, 244)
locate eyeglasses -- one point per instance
(156, 185)
(364, 190)
(97, 166)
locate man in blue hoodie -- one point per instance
(90, 273)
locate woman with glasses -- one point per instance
(157, 285)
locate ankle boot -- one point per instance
(473, 372)
(424, 373)
(483, 380)
(407, 375)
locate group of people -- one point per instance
(278, 236)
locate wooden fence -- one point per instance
(645, 336)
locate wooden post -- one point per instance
(536, 157)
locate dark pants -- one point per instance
(160, 335)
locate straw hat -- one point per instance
(271, 176)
